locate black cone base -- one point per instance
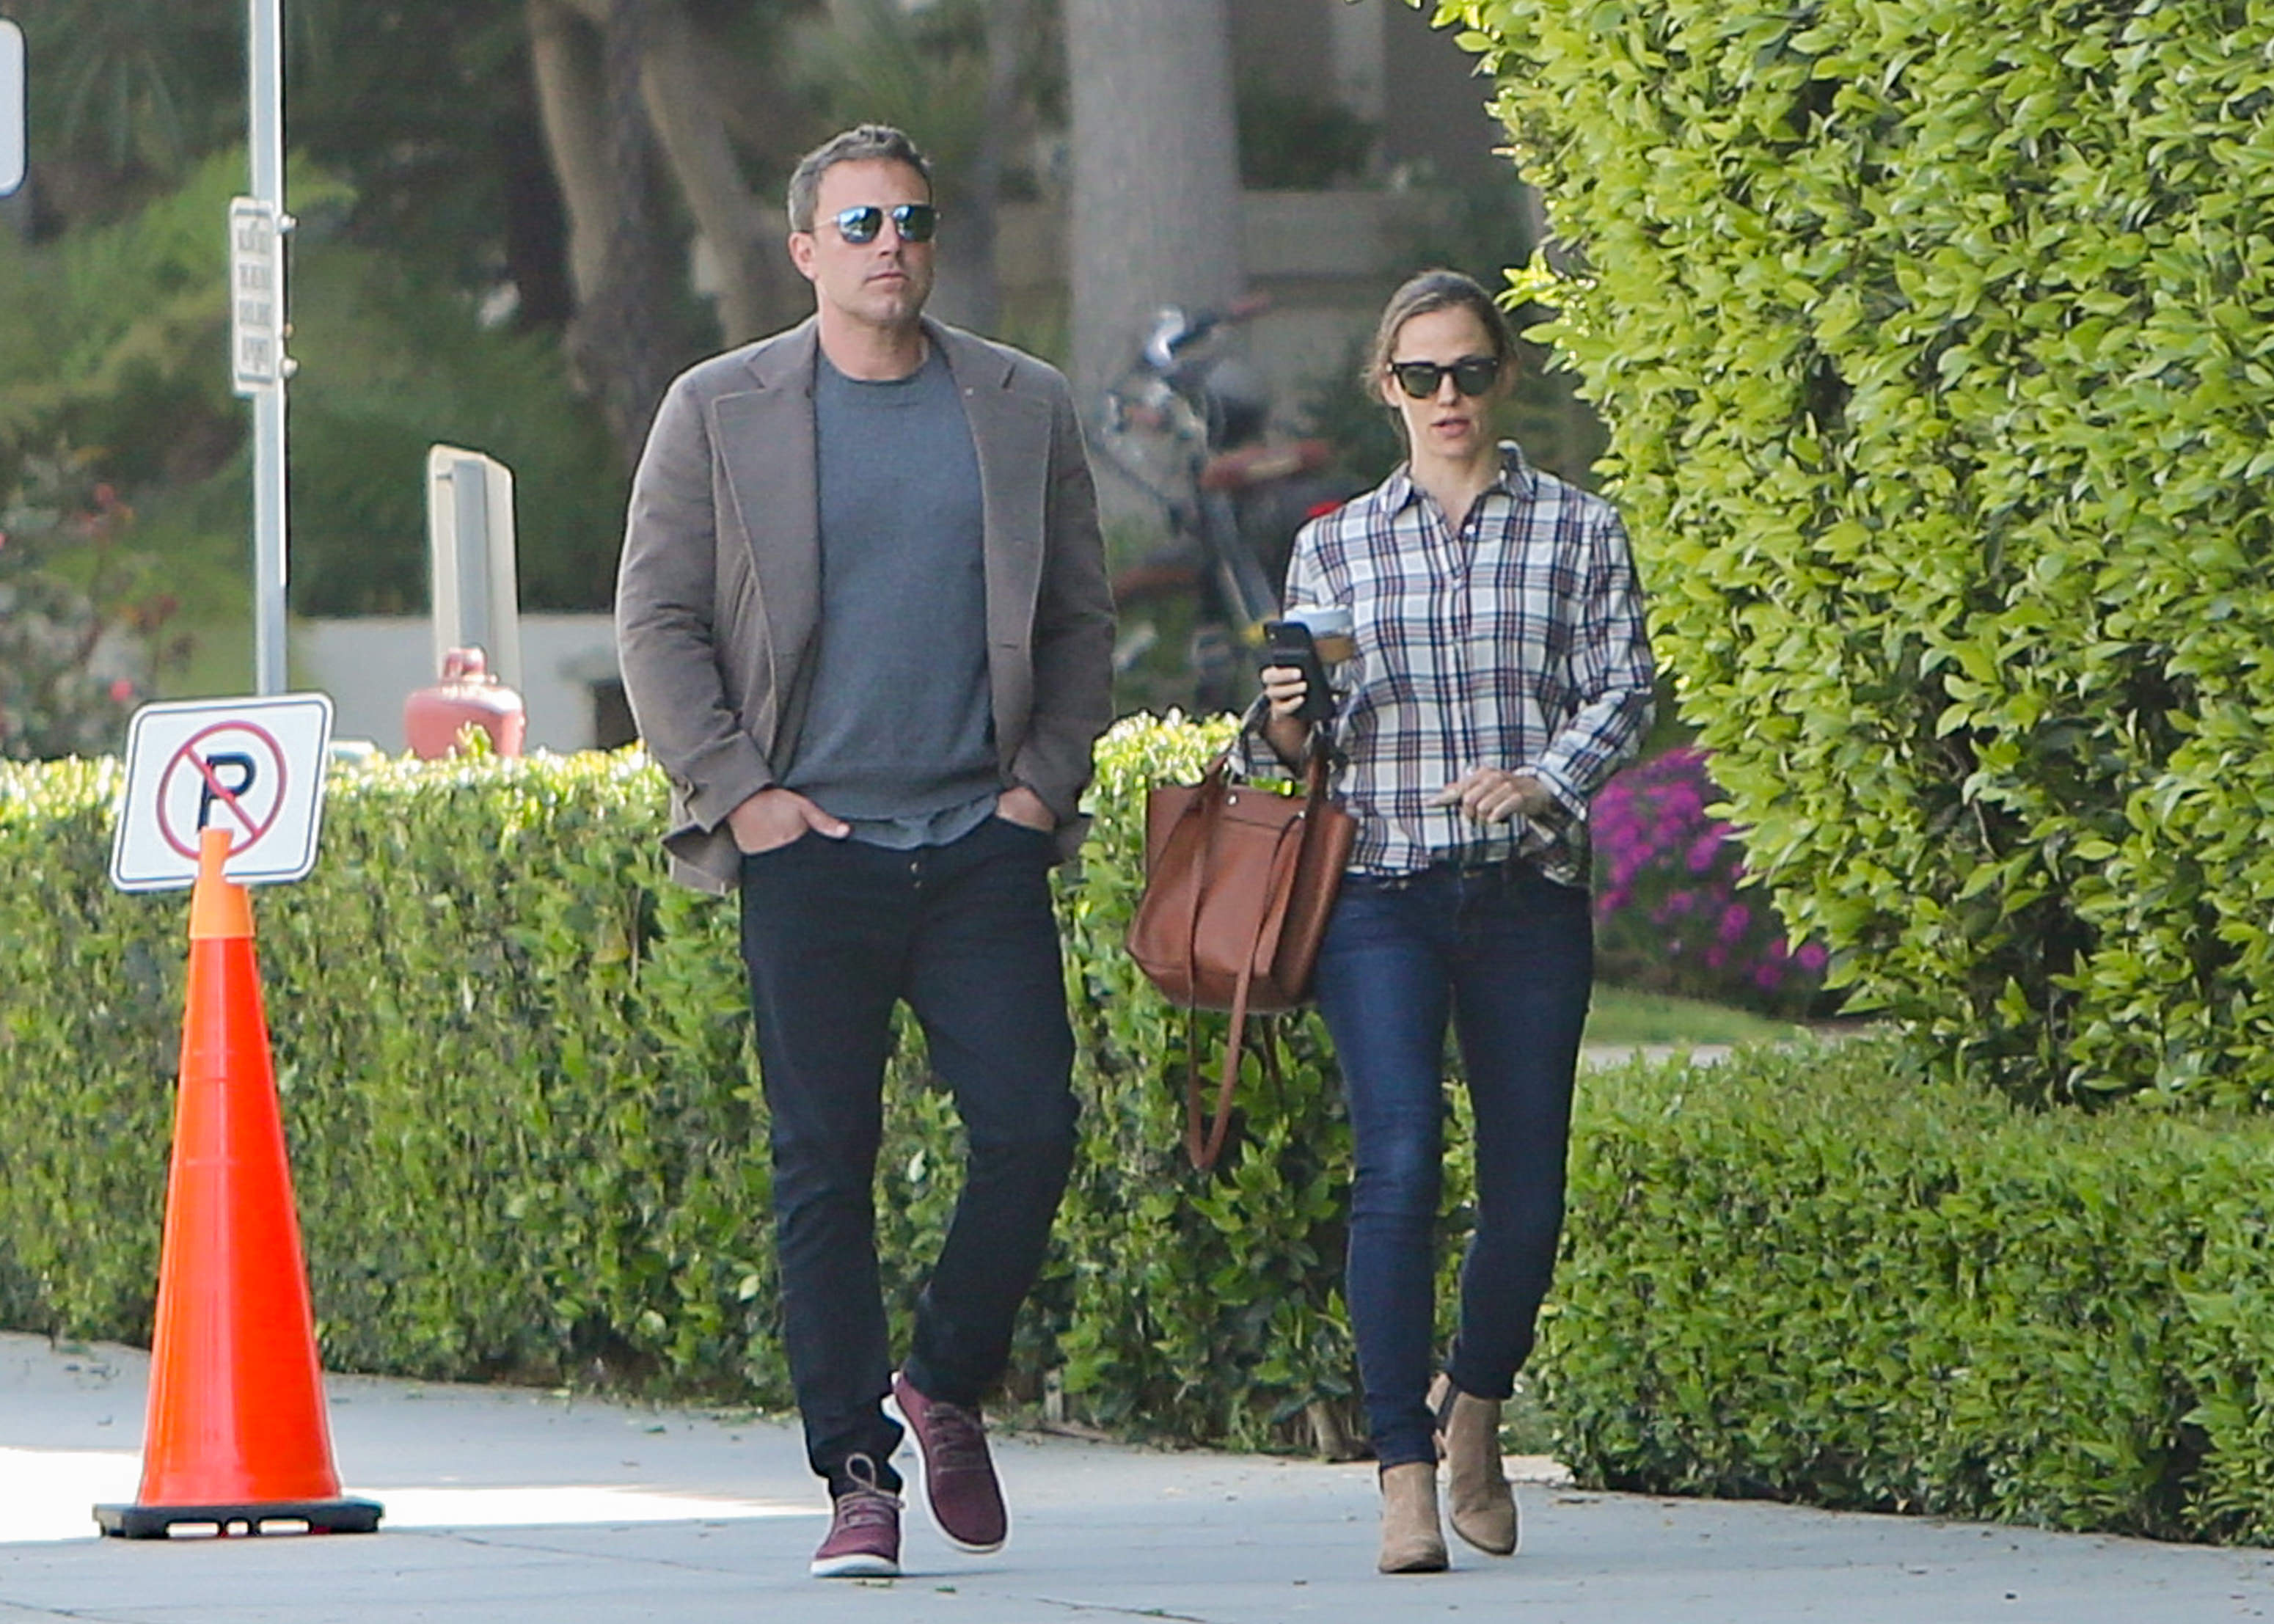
(308, 1516)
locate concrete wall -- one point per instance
(1433, 114)
(1284, 42)
(1383, 60)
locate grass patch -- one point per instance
(1622, 1017)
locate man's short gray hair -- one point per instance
(862, 143)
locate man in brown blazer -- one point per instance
(864, 627)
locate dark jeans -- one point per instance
(835, 933)
(1509, 956)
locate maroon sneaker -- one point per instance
(864, 1529)
(959, 1479)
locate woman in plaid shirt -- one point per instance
(1501, 672)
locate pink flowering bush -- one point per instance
(1670, 914)
(82, 621)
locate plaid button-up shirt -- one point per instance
(1518, 642)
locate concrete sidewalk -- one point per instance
(510, 1507)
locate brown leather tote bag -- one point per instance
(1238, 884)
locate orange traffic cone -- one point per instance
(236, 1437)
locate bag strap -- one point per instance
(1204, 1151)
(1216, 787)
(1319, 760)
(1204, 1138)
(1205, 1147)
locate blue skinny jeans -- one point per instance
(1508, 957)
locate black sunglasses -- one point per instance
(914, 221)
(1472, 375)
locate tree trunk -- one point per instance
(565, 56)
(972, 235)
(1155, 216)
(759, 289)
(620, 341)
(536, 223)
(630, 91)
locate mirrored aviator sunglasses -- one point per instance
(1472, 375)
(914, 221)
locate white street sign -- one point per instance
(256, 296)
(12, 107)
(254, 766)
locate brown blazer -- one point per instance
(720, 589)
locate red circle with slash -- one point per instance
(236, 816)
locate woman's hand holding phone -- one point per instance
(1292, 674)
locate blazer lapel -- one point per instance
(1011, 430)
(765, 442)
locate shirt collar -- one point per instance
(1516, 480)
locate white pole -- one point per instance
(12, 107)
(266, 117)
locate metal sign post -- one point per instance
(12, 107)
(258, 225)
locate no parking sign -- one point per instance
(254, 766)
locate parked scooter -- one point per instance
(1187, 425)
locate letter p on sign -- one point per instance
(12, 107)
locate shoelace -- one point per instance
(859, 1508)
(957, 1439)
(867, 1504)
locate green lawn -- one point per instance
(1620, 1017)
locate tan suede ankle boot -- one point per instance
(1411, 1542)
(1481, 1504)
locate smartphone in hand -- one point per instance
(1288, 643)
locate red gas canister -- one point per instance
(467, 696)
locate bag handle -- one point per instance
(1320, 754)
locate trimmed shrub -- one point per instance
(527, 1139)
(1803, 1275)
(515, 1066)
(1670, 915)
(503, 1050)
(1937, 342)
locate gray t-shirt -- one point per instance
(898, 736)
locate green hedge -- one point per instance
(1937, 342)
(1801, 1275)
(515, 1069)
(514, 1061)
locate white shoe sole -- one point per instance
(854, 1568)
(919, 1487)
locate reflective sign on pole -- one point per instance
(254, 766)
(256, 296)
(12, 107)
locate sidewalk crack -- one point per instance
(1124, 1613)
